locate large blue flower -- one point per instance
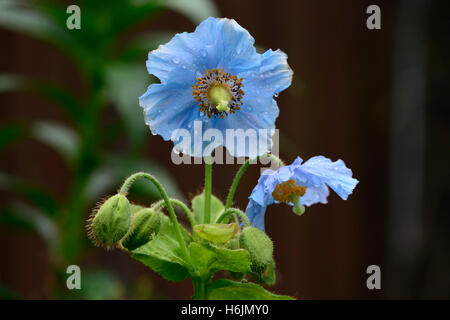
(299, 185)
(213, 78)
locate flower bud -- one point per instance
(268, 277)
(145, 224)
(110, 222)
(259, 247)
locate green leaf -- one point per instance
(209, 259)
(60, 137)
(224, 289)
(163, 253)
(198, 207)
(196, 10)
(168, 270)
(216, 232)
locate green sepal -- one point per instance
(224, 289)
(216, 232)
(198, 208)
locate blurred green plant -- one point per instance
(111, 65)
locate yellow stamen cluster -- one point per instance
(285, 191)
(213, 79)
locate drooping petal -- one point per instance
(336, 175)
(256, 214)
(315, 195)
(317, 175)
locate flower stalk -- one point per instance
(124, 190)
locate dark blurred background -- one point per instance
(71, 129)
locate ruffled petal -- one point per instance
(336, 175)
(315, 195)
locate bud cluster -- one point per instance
(114, 223)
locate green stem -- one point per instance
(231, 212)
(241, 172)
(208, 186)
(160, 204)
(199, 288)
(124, 190)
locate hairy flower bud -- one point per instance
(110, 222)
(259, 247)
(145, 224)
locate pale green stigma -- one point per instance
(298, 208)
(220, 98)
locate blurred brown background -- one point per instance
(350, 99)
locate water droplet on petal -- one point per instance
(276, 95)
(175, 60)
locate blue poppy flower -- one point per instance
(299, 185)
(214, 78)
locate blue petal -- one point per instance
(256, 214)
(168, 105)
(271, 77)
(259, 193)
(315, 195)
(181, 52)
(336, 175)
(258, 115)
(227, 45)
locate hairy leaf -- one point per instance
(224, 289)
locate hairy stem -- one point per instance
(124, 190)
(231, 212)
(160, 204)
(241, 172)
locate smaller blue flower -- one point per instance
(299, 185)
